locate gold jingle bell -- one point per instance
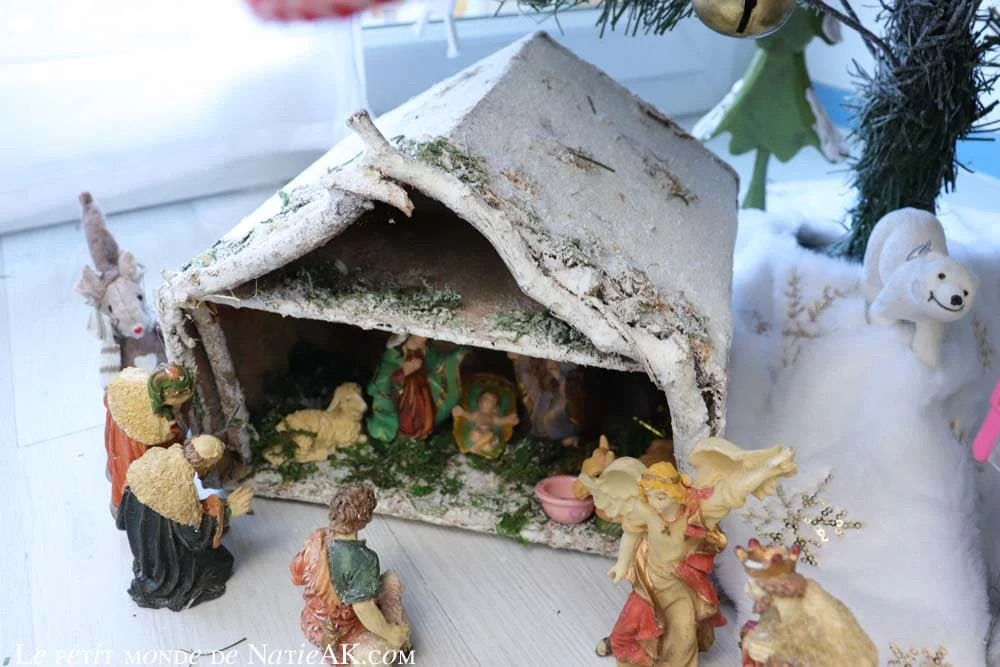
(744, 18)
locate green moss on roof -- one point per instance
(445, 155)
(541, 325)
(331, 282)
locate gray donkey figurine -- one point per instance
(122, 319)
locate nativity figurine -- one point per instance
(318, 433)
(414, 389)
(122, 319)
(142, 411)
(660, 450)
(349, 602)
(553, 395)
(488, 428)
(593, 466)
(176, 538)
(800, 623)
(670, 540)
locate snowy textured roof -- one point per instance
(603, 211)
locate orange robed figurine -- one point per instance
(141, 414)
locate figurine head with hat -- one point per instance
(771, 570)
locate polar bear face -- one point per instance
(944, 289)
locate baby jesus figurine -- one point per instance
(483, 430)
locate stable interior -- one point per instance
(285, 363)
(432, 274)
(293, 338)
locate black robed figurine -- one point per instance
(178, 557)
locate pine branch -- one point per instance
(854, 16)
(646, 16)
(914, 111)
(850, 19)
(992, 21)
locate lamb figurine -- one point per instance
(122, 320)
(908, 275)
(336, 427)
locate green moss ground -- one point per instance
(432, 472)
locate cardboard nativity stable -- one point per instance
(529, 204)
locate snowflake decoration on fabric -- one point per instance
(802, 318)
(958, 431)
(804, 519)
(984, 347)
(914, 657)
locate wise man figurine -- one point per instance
(800, 623)
(353, 611)
(143, 410)
(176, 538)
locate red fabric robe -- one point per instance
(325, 620)
(416, 403)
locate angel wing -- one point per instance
(736, 473)
(616, 490)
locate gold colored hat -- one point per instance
(768, 562)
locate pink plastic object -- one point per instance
(559, 503)
(988, 435)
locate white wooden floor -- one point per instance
(64, 568)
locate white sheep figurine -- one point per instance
(336, 427)
(909, 276)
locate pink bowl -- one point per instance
(558, 501)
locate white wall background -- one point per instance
(143, 103)
(88, 112)
(683, 72)
(831, 64)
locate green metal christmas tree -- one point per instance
(773, 109)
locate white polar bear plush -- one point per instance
(908, 275)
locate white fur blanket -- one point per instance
(886, 496)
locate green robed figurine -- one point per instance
(414, 389)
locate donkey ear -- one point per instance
(90, 286)
(129, 267)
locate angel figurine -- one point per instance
(670, 540)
